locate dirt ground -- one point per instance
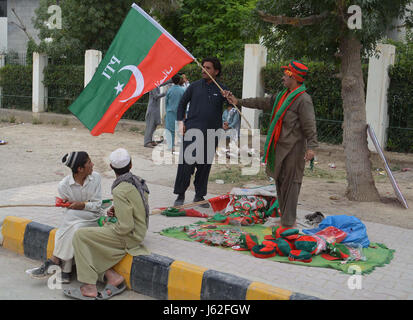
(34, 151)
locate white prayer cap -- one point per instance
(119, 158)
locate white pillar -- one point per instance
(92, 60)
(3, 34)
(39, 90)
(255, 58)
(376, 98)
(2, 64)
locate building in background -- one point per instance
(16, 15)
(3, 25)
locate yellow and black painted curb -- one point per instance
(152, 275)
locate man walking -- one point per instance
(205, 111)
(291, 137)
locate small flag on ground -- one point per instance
(142, 56)
(219, 203)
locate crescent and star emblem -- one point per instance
(137, 74)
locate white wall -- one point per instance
(17, 39)
(3, 34)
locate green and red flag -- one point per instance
(142, 56)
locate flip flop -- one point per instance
(77, 294)
(103, 295)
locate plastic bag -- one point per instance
(355, 229)
(321, 244)
(356, 252)
(332, 234)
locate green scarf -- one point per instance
(269, 148)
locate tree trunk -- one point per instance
(360, 182)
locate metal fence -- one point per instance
(328, 130)
(15, 58)
(18, 94)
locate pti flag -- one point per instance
(142, 56)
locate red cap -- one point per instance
(297, 70)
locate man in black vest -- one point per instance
(205, 112)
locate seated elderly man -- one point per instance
(98, 249)
(82, 189)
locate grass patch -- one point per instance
(12, 119)
(136, 130)
(233, 174)
(36, 121)
(329, 175)
(65, 122)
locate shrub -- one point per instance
(16, 81)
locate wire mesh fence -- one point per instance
(15, 58)
(328, 130)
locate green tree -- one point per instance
(320, 29)
(88, 24)
(214, 27)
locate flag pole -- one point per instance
(222, 90)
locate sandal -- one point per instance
(104, 295)
(77, 294)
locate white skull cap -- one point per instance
(119, 158)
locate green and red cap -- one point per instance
(307, 243)
(248, 241)
(300, 255)
(281, 232)
(297, 70)
(262, 251)
(283, 247)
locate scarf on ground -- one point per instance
(282, 103)
(139, 184)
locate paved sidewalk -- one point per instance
(393, 281)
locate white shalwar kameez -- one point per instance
(90, 193)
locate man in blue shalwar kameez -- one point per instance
(173, 96)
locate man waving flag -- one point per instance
(142, 56)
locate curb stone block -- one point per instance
(13, 233)
(223, 286)
(185, 281)
(149, 275)
(36, 238)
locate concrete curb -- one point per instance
(152, 275)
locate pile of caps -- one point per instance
(289, 243)
(284, 242)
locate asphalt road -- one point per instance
(15, 284)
